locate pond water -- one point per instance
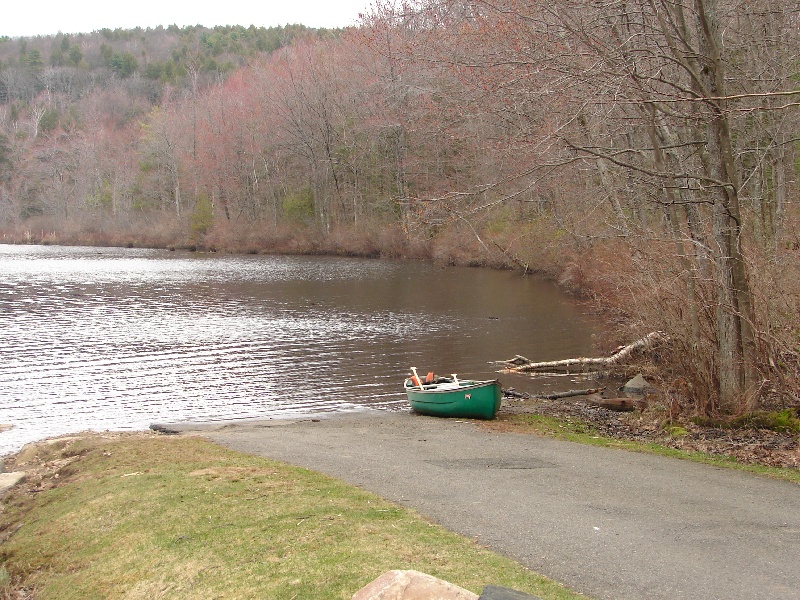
(117, 339)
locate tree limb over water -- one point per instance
(520, 364)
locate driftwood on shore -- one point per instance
(568, 394)
(520, 364)
(618, 404)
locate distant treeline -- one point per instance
(74, 65)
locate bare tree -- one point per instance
(681, 105)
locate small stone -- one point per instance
(412, 585)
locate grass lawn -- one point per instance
(144, 516)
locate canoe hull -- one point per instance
(470, 400)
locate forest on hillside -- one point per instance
(645, 153)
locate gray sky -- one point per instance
(47, 17)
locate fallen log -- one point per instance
(619, 404)
(512, 393)
(520, 364)
(568, 394)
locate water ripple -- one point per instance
(120, 338)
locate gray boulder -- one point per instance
(637, 385)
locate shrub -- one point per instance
(299, 205)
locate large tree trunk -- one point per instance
(734, 310)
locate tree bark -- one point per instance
(734, 312)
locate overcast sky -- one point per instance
(47, 17)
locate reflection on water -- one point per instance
(120, 338)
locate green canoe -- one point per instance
(447, 398)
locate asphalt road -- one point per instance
(608, 523)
